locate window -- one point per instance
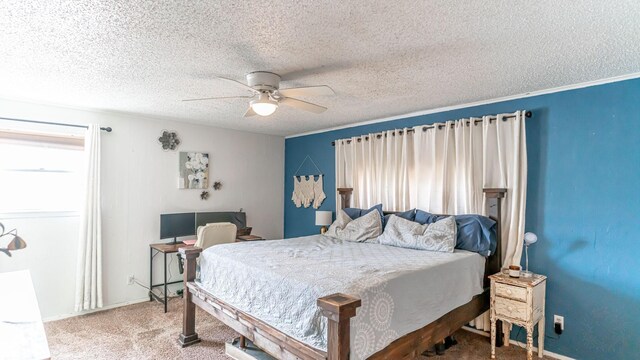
(40, 172)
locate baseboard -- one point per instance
(519, 344)
(108, 307)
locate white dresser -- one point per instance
(22, 335)
(518, 301)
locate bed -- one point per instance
(298, 298)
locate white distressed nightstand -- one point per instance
(518, 301)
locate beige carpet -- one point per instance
(143, 331)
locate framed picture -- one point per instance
(193, 170)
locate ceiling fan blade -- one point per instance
(303, 105)
(250, 112)
(247, 87)
(321, 90)
(223, 97)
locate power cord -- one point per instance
(536, 334)
(170, 294)
(137, 282)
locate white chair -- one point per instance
(215, 234)
(212, 234)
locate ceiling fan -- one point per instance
(266, 86)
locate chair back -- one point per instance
(216, 233)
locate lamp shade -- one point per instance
(264, 106)
(324, 218)
(530, 238)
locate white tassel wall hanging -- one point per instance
(308, 191)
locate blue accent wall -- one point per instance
(583, 201)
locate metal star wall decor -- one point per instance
(204, 195)
(217, 185)
(169, 140)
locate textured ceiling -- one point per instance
(382, 58)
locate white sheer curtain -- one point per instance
(444, 170)
(505, 165)
(89, 265)
(448, 168)
(379, 169)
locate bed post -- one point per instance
(345, 197)
(494, 211)
(189, 335)
(494, 264)
(339, 309)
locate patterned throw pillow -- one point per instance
(409, 215)
(366, 227)
(476, 233)
(355, 213)
(439, 236)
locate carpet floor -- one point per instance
(143, 331)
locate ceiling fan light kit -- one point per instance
(264, 106)
(266, 85)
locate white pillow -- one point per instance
(361, 229)
(439, 236)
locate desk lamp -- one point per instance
(529, 239)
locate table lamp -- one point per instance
(324, 219)
(529, 239)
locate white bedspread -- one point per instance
(401, 289)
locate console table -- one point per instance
(21, 330)
(164, 248)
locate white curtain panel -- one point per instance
(453, 162)
(377, 169)
(505, 166)
(89, 265)
(444, 170)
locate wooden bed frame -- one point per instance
(338, 308)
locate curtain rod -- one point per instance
(527, 114)
(107, 129)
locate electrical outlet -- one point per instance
(130, 279)
(557, 319)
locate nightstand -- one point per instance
(518, 301)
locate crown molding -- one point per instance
(476, 103)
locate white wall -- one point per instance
(139, 181)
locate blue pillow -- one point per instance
(409, 215)
(355, 213)
(476, 233)
(424, 217)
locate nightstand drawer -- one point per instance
(512, 309)
(511, 292)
